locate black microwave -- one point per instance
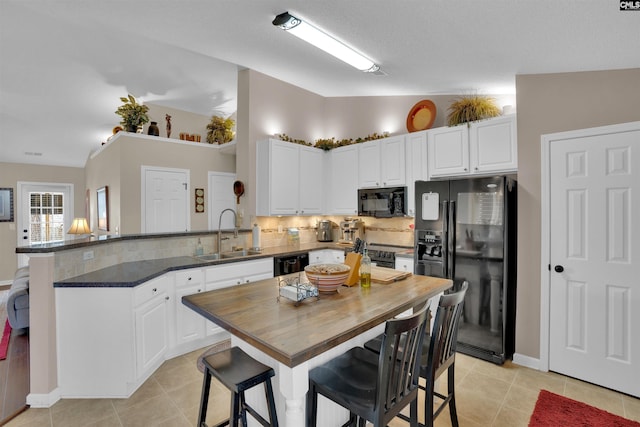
(382, 202)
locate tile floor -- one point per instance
(486, 394)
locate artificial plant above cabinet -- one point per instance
(289, 179)
(483, 147)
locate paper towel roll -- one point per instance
(256, 236)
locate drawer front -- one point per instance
(189, 277)
(404, 264)
(239, 269)
(147, 291)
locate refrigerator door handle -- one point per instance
(445, 239)
(451, 240)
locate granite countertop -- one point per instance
(131, 274)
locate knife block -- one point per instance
(353, 261)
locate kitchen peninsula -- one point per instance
(84, 290)
(295, 338)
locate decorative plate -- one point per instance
(421, 116)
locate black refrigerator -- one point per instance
(465, 230)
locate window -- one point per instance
(46, 219)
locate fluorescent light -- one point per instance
(322, 40)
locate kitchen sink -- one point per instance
(226, 255)
(235, 254)
(210, 257)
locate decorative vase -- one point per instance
(153, 129)
(132, 128)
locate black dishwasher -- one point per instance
(290, 264)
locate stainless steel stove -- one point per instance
(382, 255)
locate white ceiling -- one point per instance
(64, 64)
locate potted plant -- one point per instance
(133, 114)
(471, 108)
(220, 130)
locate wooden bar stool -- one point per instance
(238, 372)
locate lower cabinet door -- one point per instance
(189, 324)
(152, 340)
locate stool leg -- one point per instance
(312, 406)
(204, 398)
(243, 409)
(235, 410)
(271, 403)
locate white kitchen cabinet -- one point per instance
(448, 151)
(289, 179)
(487, 146)
(404, 264)
(416, 148)
(343, 177)
(190, 326)
(493, 145)
(381, 163)
(326, 256)
(234, 274)
(152, 326)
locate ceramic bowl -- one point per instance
(327, 277)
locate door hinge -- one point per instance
(185, 185)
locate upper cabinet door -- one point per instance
(277, 182)
(381, 163)
(311, 196)
(393, 161)
(284, 178)
(448, 151)
(493, 145)
(343, 176)
(369, 164)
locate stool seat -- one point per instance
(239, 372)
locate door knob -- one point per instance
(558, 268)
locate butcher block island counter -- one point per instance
(293, 338)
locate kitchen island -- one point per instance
(295, 338)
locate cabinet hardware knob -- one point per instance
(155, 290)
(465, 169)
(188, 278)
(247, 281)
(199, 290)
(166, 298)
(476, 168)
(558, 268)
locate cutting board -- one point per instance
(387, 275)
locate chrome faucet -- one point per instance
(235, 228)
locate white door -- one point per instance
(594, 255)
(44, 212)
(165, 200)
(221, 197)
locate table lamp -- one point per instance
(79, 226)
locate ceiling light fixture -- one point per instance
(322, 40)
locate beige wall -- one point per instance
(119, 164)
(181, 121)
(10, 174)
(549, 103)
(267, 106)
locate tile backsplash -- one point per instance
(393, 231)
(70, 263)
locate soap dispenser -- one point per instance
(199, 249)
